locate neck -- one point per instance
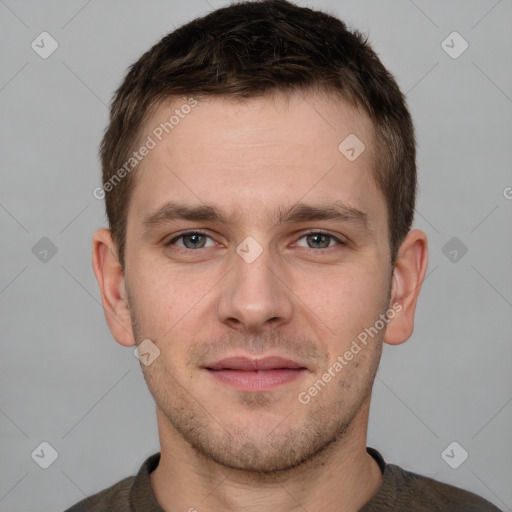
(341, 478)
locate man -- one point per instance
(259, 177)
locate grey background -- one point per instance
(65, 381)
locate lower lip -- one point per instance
(262, 380)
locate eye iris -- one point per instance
(195, 237)
(316, 237)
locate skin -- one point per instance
(304, 298)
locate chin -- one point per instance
(270, 446)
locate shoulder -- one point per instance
(115, 498)
(418, 492)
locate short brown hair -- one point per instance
(250, 49)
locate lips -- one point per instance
(254, 365)
(248, 374)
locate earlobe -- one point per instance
(110, 277)
(408, 275)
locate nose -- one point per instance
(255, 295)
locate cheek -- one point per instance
(170, 301)
(345, 299)
(156, 299)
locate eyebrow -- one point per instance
(299, 212)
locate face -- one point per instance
(256, 253)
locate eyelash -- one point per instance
(199, 232)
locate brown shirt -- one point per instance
(400, 491)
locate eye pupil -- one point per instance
(317, 236)
(195, 237)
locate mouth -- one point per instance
(249, 374)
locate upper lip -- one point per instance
(246, 363)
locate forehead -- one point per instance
(248, 155)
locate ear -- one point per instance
(110, 277)
(408, 275)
